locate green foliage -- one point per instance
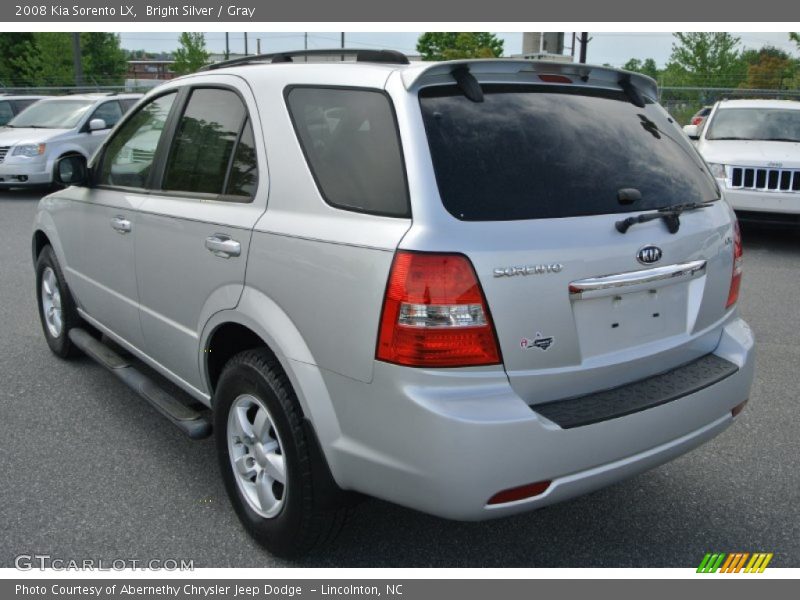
(12, 44)
(769, 69)
(45, 59)
(451, 46)
(192, 53)
(709, 59)
(647, 67)
(104, 61)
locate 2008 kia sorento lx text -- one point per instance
(473, 288)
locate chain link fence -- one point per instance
(683, 102)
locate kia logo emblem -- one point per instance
(649, 255)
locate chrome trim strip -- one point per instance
(679, 271)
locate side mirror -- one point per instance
(693, 131)
(97, 125)
(72, 170)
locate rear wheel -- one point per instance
(57, 310)
(266, 458)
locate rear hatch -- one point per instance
(536, 178)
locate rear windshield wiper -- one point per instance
(670, 214)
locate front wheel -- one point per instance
(266, 458)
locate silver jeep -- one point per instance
(473, 288)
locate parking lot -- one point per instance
(87, 470)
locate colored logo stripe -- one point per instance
(759, 562)
(735, 562)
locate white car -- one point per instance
(32, 142)
(753, 150)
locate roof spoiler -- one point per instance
(415, 77)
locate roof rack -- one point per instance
(361, 55)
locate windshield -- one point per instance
(529, 152)
(53, 114)
(764, 124)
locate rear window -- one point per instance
(528, 152)
(349, 138)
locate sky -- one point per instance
(604, 47)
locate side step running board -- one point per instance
(188, 420)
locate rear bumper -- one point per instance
(445, 441)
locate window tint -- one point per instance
(243, 177)
(350, 140)
(529, 153)
(204, 142)
(6, 112)
(110, 112)
(129, 155)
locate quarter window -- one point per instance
(213, 137)
(349, 137)
(129, 155)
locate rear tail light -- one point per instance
(434, 314)
(736, 276)
(697, 120)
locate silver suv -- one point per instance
(473, 288)
(32, 142)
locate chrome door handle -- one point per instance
(121, 225)
(223, 246)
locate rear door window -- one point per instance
(213, 136)
(535, 152)
(349, 137)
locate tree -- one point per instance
(648, 67)
(795, 37)
(192, 53)
(104, 61)
(708, 59)
(13, 44)
(46, 60)
(768, 69)
(451, 46)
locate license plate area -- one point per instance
(619, 320)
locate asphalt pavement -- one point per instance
(89, 471)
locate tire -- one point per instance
(57, 311)
(290, 518)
